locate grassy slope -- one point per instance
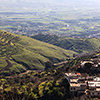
(19, 53)
(43, 85)
(77, 45)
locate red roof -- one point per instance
(78, 74)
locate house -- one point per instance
(94, 88)
(83, 85)
(69, 76)
(77, 88)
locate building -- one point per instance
(70, 76)
(83, 85)
(94, 88)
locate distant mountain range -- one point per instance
(27, 5)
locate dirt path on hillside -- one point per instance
(36, 71)
(57, 64)
(8, 62)
(7, 67)
(25, 72)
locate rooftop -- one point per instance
(73, 74)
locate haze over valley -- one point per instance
(49, 49)
(62, 18)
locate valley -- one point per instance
(49, 50)
(69, 23)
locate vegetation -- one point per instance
(16, 53)
(34, 86)
(27, 70)
(42, 85)
(78, 45)
(21, 53)
(61, 22)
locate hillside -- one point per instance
(75, 44)
(21, 53)
(44, 85)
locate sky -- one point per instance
(12, 5)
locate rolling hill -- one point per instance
(21, 53)
(78, 45)
(44, 85)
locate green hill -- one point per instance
(45, 85)
(21, 53)
(78, 45)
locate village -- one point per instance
(84, 83)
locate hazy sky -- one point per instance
(14, 4)
(50, 1)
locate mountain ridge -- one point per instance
(78, 45)
(20, 53)
(31, 5)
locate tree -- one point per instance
(87, 67)
(48, 65)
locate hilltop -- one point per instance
(78, 45)
(20, 53)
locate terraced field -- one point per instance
(21, 53)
